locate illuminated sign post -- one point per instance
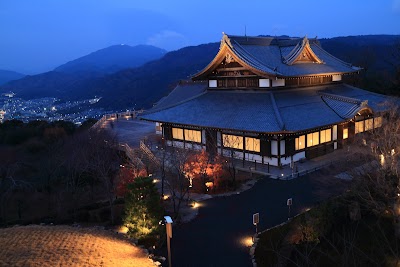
(256, 220)
(289, 203)
(168, 225)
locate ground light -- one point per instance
(246, 241)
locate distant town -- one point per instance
(48, 108)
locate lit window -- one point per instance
(326, 135)
(252, 144)
(345, 133)
(193, 136)
(300, 142)
(359, 127)
(369, 124)
(232, 141)
(177, 133)
(377, 122)
(312, 139)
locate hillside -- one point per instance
(7, 75)
(67, 246)
(141, 87)
(112, 59)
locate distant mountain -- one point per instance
(141, 87)
(48, 84)
(8, 75)
(113, 59)
(378, 55)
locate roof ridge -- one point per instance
(329, 106)
(175, 104)
(255, 59)
(303, 44)
(338, 59)
(276, 111)
(341, 98)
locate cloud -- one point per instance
(169, 40)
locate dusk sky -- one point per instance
(37, 36)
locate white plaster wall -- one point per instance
(203, 136)
(264, 83)
(299, 156)
(219, 138)
(177, 144)
(278, 82)
(334, 137)
(159, 132)
(271, 161)
(253, 157)
(336, 78)
(274, 147)
(285, 160)
(197, 147)
(212, 83)
(236, 154)
(282, 147)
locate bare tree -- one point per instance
(377, 181)
(177, 180)
(231, 146)
(103, 163)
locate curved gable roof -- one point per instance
(273, 56)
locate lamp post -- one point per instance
(289, 203)
(256, 220)
(168, 225)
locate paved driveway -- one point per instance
(215, 237)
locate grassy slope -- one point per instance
(67, 246)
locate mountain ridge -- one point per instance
(112, 59)
(9, 75)
(142, 86)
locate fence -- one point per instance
(112, 116)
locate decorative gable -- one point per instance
(301, 53)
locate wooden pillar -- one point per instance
(184, 139)
(279, 150)
(244, 149)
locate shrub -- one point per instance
(143, 209)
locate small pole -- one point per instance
(168, 225)
(256, 220)
(169, 252)
(289, 203)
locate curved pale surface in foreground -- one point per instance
(67, 246)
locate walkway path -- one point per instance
(217, 237)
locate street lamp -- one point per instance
(168, 225)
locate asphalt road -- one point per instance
(215, 237)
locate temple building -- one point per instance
(271, 100)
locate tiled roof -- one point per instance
(289, 110)
(182, 92)
(273, 56)
(345, 107)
